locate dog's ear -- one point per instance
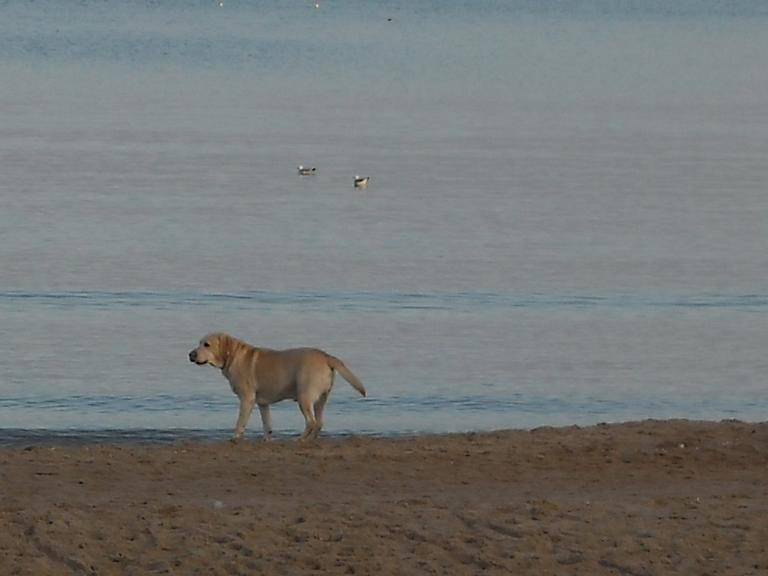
(223, 347)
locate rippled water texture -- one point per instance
(566, 221)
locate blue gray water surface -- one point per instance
(566, 222)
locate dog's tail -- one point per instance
(342, 369)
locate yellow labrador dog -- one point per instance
(263, 376)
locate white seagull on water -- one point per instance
(305, 171)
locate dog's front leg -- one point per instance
(246, 407)
(266, 420)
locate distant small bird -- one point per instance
(304, 171)
(362, 181)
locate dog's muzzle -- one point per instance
(193, 356)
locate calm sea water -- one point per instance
(567, 221)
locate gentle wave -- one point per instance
(504, 403)
(31, 437)
(377, 301)
(108, 404)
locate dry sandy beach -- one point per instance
(634, 499)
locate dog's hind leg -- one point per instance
(308, 411)
(266, 420)
(319, 407)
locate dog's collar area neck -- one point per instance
(225, 354)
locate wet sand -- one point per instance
(634, 499)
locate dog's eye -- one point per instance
(206, 345)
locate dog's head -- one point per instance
(213, 349)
